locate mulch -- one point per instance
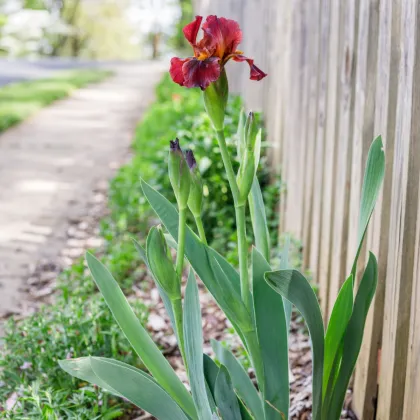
(83, 234)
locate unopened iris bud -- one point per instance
(195, 200)
(250, 154)
(246, 175)
(179, 174)
(215, 100)
(161, 264)
(240, 133)
(251, 131)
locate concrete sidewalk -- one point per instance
(50, 164)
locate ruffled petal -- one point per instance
(221, 36)
(256, 73)
(200, 73)
(176, 70)
(191, 30)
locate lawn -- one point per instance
(20, 100)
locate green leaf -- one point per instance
(293, 286)
(211, 370)
(162, 293)
(285, 264)
(225, 397)
(259, 219)
(193, 336)
(354, 335)
(372, 181)
(125, 381)
(138, 337)
(139, 389)
(81, 368)
(240, 379)
(230, 299)
(337, 325)
(200, 257)
(272, 331)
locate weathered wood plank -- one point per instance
(293, 139)
(282, 124)
(344, 152)
(364, 108)
(412, 383)
(313, 29)
(366, 377)
(331, 132)
(404, 202)
(316, 229)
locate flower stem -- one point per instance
(243, 255)
(181, 242)
(179, 326)
(228, 165)
(200, 228)
(240, 221)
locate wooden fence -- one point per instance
(340, 73)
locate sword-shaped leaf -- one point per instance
(193, 335)
(225, 396)
(293, 286)
(353, 336)
(138, 336)
(240, 380)
(272, 331)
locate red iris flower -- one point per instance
(218, 45)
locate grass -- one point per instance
(18, 101)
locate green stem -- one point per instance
(179, 326)
(243, 255)
(200, 228)
(228, 165)
(181, 242)
(240, 221)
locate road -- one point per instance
(50, 164)
(17, 70)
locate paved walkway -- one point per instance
(50, 164)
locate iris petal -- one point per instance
(255, 72)
(191, 30)
(176, 70)
(221, 35)
(200, 73)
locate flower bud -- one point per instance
(179, 174)
(246, 175)
(250, 156)
(251, 131)
(195, 200)
(161, 264)
(240, 133)
(215, 100)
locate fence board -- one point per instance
(293, 207)
(366, 378)
(309, 136)
(404, 203)
(344, 151)
(331, 131)
(412, 391)
(316, 229)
